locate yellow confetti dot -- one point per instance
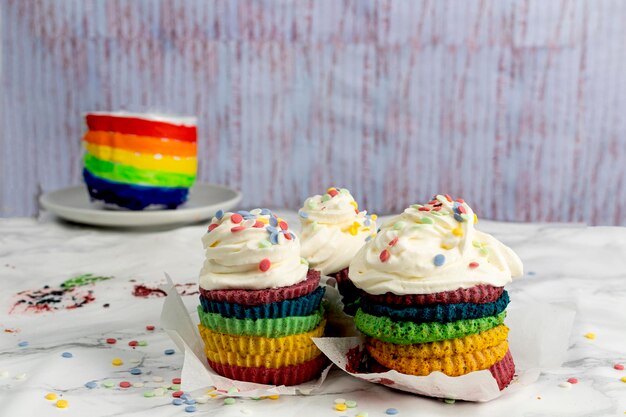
(62, 404)
(341, 407)
(590, 336)
(373, 217)
(274, 397)
(354, 204)
(623, 379)
(214, 244)
(263, 220)
(475, 218)
(51, 396)
(117, 362)
(457, 231)
(331, 189)
(446, 246)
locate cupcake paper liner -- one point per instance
(407, 332)
(265, 296)
(478, 295)
(289, 375)
(280, 327)
(454, 365)
(443, 348)
(255, 345)
(301, 306)
(443, 313)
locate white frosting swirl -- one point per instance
(333, 230)
(432, 248)
(257, 253)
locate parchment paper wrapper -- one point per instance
(538, 338)
(196, 373)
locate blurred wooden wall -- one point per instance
(517, 106)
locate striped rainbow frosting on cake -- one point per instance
(135, 161)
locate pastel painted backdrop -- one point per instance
(517, 106)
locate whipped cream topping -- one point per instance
(333, 230)
(250, 250)
(432, 248)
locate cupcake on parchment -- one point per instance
(433, 296)
(260, 305)
(333, 231)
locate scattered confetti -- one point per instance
(177, 394)
(157, 379)
(62, 404)
(124, 384)
(176, 380)
(67, 355)
(590, 336)
(264, 265)
(133, 343)
(159, 392)
(384, 255)
(391, 411)
(175, 387)
(618, 366)
(203, 399)
(474, 265)
(143, 291)
(572, 380)
(449, 400)
(341, 407)
(50, 396)
(362, 414)
(169, 351)
(91, 384)
(351, 404)
(274, 397)
(137, 384)
(177, 401)
(150, 328)
(148, 394)
(23, 344)
(623, 379)
(340, 400)
(439, 260)
(190, 409)
(229, 401)
(135, 371)
(111, 341)
(108, 384)
(117, 362)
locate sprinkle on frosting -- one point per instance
(333, 229)
(434, 247)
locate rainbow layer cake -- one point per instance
(433, 296)
(135, 161)
(260, 304)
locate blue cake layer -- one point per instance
(301, 306)
(133, 197)
(443, 313)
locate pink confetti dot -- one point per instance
(618, 366)
(572, 381)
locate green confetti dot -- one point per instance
(326, 197)
(148, 394)
(142, 343)
(427, 220)
(255, 398)
(350, 404)
(108, 384)
(229, 401)
(175, 387)
(344, 191)
(449, 401)
(265, 244)
(398, 225)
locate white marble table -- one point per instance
(584, 268)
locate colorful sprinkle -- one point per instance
(457, 231)
(623, 379)
(590, 336)
(169, 351)
(117, 362)
(618, 366)
(439, 260)
(142, 343)
(424, 209)
(229, 401)
(398, 225)
(449, 400)
(258, 224)
(148, 394)
(23, 344)
(219, 214)
(427, 220)
(474, 265)
(274, 238)
(393, 241)
(124, 384)
(340, 400)
(177, 401)
(265, 244)
(341, 407)
(236, 218)
(51, 396)
(67, 355)
(384, 255)
(332, 192)
(273, 221)
(351, 404)
(265, 211)
(391, 411)
(288, 236)
(62, 404)
(283, 225)
(133, 343)
(91, 384)
(458, 217)
(190, 409)
(150, 328)
(157, 378)
(177, 394)
(326, 197)
(565, 384)
(274, 397)
(213, 227)
(111, 341)
(135, 371)
(237, 229)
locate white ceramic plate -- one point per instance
(73, 204)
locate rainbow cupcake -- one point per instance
(333, 231)
(260, 305)
(433, 293)
(135, 161)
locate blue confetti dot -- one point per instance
(367, 239)
(185, 397)
(244, 213)
(303, 214)
(293, 237)
(23, 344)
(135, 371)
(190, 401)
(190, 409)
(458, 218)
(271, 229)
(274, 238)
(439, 260)
(91, 384)
(367, 222)
(531, 273)
(219, 214)
(273, 221)
(265, 211)
(169, 351)
(67, 355)
(391, 411)
(177, 401)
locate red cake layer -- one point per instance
(479, 294)
(142, 127)
(288, 375)
(503, 371)
(265, 296)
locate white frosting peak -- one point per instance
(333, 230)
(250, 250)
(432, 248)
